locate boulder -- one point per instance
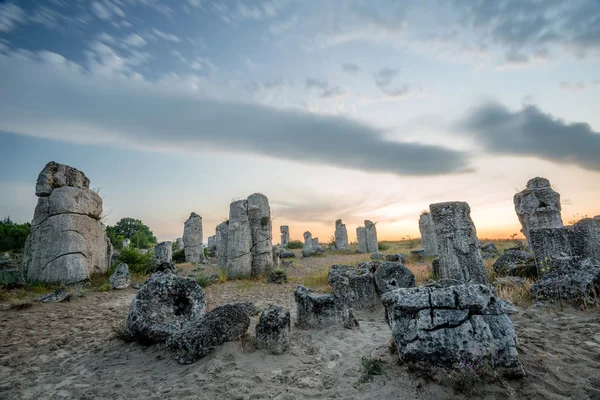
(168, 267)
(163, 251)
(428, 238)
(400, 257)
(361, 236)
(353, 288)
(377, 256)
(56, 175)
(316, 247)
(308, 249)
(120, 278)
(192, 240)
(319, 310)
(516, 263)
(488, 250)
(273, 330)
(163, 306)
(202, 336)
(57, 296)
(418, 253)
(259, 215)
(391, 276)
(285, 235)
(372, 243)
(441, 325)
(286, 264)
(239, 241)
(341, 235)
(284, 253)
(570, 278)
(458, 246)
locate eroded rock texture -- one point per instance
(457, 243)
(239, 241)
(391, 276)
(120, 278)
(361, 237)
(353, 287)
(163, 251)
(222, 243)
(570, 278)
(163, 306)
(202, 336)
(259, 215)
(308, 249)
(67, 243)
(319, 310)
(341, 236)
(516, 263)
(192, 240)
(273, 330)
(211, 242)
(372, 243)
(440, 326)
(285, 235)
(538, 206)
(428, 238)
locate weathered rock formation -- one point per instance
(259, 215)
(361, 237)
(400, 257)
(538, 206)
(457, 243)
(273, 330)
(163, 251)
(428, 238)
(163, 306)
(222, 243)
(315, 245)
(67, 243)
(516, 263)
(285, 235)
(239, 241)
(488, 250)
(120, 278)
(192, 240)
(570, 278)
(319, 310)
(341, 236)
(372, 243)
(211, 242)
(308, 249)
(353, 287)
(440, 324)
(202, 336)
(391, 276)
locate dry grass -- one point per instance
(519, 295)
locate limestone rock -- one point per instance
(488, 250)
(57, 296)
(436, 326)
(377, 256)
(284, 253)
(68, 200)
(516, 263)
(585, 241)
(222, 243)
(353, 288)
(315, 245)
(458, 246)
(341, 236)
(192, 240)
(167, 267)
(361, 237)
(211, 242)
(120, 278)
(202, 336)
(428, 237)
(418, 253)
(570, 278)
(273, 330)
(239, 241)
(259, 215)
(285, 235)
(372, 243)
(400, 257)
(391, 276)
(318, 310)
(308, 249)
(163, 306)
(163, 251)
(56, 175)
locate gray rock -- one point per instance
(435, 268)
(192, 240)
(180, 245)
(273, 330)
(211, 242)
(488, 250)
(284, 253)
(353, 288)
(538, 206)
(585, 240)
(285, 235)
(222, 243)
(276, 252)
(361, 236)
(67, 242)
(570, 278)
(120, 278)
(400, 257)
(509, 281)
(341, 235)
(277, 276)
(372, 243)
(163, 306)
(428, 237)
(163, 251)
(458, 246)
(239, 241)
(315, 245)
(286, 264)
(137, 285)
(259, 215)
(418, 253)
(391, 276)
(56, 175)
(203, 335)
(433, 325)
(377, 256)
(308, 249)
(57, 296)
(508, 307)
(516, 263)
(318, 310)
(167, 267)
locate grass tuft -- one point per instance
(371, 367)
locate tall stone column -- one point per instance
(341, 236)
(372, 243)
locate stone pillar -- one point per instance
(259, 215)
(372, 244)
(538, 207)
(222, 236)
(211, 242)
(458, 246)
(163, 252)
(239, 241)
(315, 244)
(341, 236)
(180, 245)
(361, 237)
(307, 239)
(285, 235)
(428, 239)
(192, 239)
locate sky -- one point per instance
(332, 109)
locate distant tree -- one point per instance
(12, 235)
(129, 228)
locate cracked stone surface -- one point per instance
(67, 243)
(442, 324)
(319, 310)
(239, 241)
(428, 238)
(353, 287)
(273, 330)
(163, 252)
(341, 236)
(570, 278)
(192, 239)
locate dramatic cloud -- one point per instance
(10, 16)
(65, 102)
(530, 132)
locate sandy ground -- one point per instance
(68, 350)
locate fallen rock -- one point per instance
(163, 306)
(353, 288)
(120, 278)
(570, 279)
(318, 310)
(273, 330)
(400, 257)
(57, 296)
(202, 336)
(391, 276)
(516, 263)
(285, 253)
(488, 250)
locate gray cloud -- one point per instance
(531, 132)
(64, 102)
(579, 85)
(350, 68)
(384, 79)
(326, 90)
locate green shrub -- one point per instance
(204, 280)
(179, 256)
(295, 244)
(383, 246)
(137, 262)
(12, 236)
(371, 367)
